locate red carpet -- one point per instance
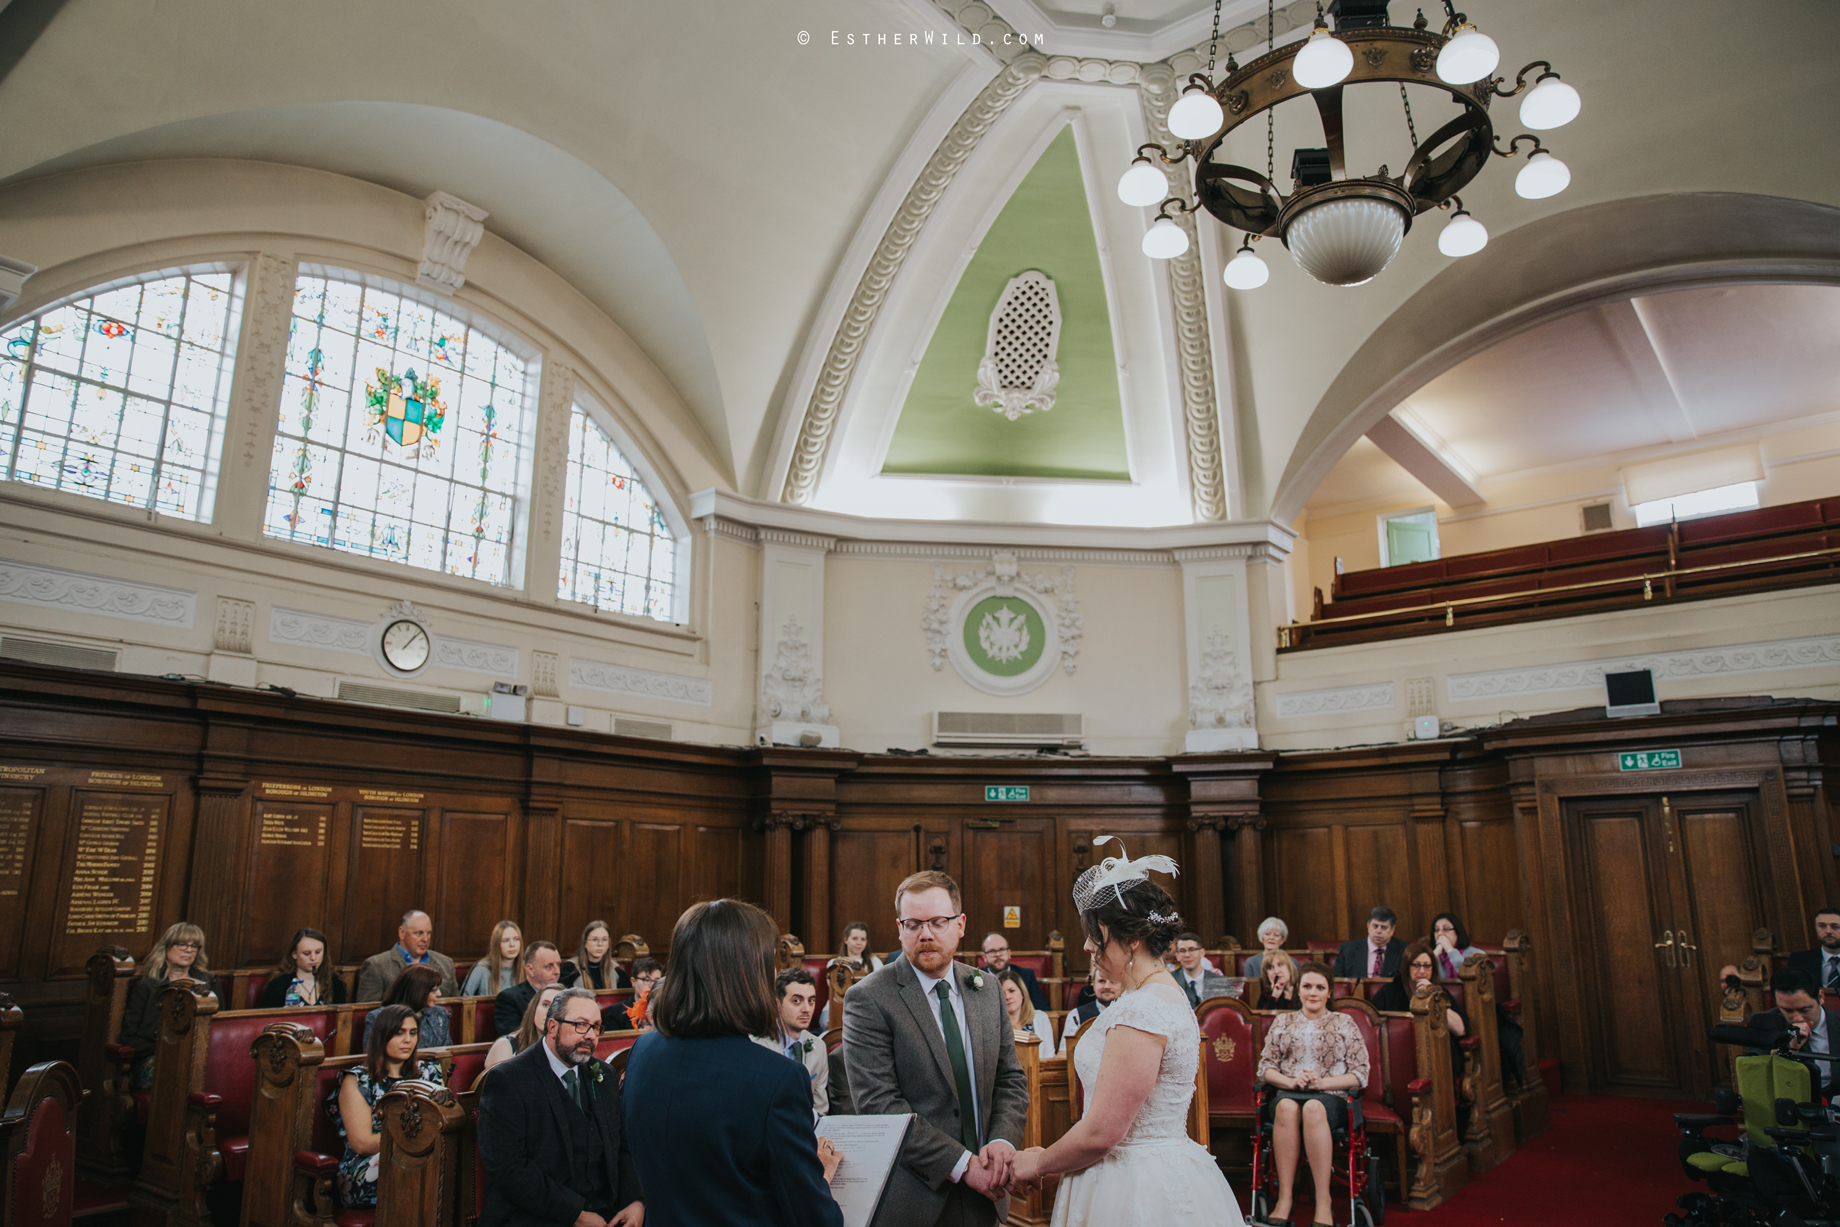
(1606, 1160)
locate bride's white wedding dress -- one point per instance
(1156, 1176)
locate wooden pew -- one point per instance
(103, 1069)
(38, 1147)
(1035, 1207)
(11, 1016)
(1529, 1099)
(1440, 1170)
(1491, 1123)
(418, 1175)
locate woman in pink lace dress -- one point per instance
(1317, 1060)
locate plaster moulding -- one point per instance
(75, 591)
(1051, 597)
(235, 626)
(454, 229)
(1018, 373)
(1335, 701)
(323, 631)
(1816, 652)
(792, 690)
(624, 679)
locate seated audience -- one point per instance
(502, 965)
(721, 1128)
(1374, 956)
(996, 961)
(593, 966)
(1024, 1019)
(647, 973)
(1450, 944)
(551, 1134)
(389, 1057)
(852, 948)
(1105, 990)
(1418, 966)
(303, 977)
(1317, 1060)
(1823, 962)
(419, 988)
(507, 1046)
(1195, 979)
(1802, 1004)
(177, 958)
(542, 968)
(798, 998)
(1273, 933)
(1278, 982)
(413, 938)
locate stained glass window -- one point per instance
(122, 395)
(402, 433)
(617, 551)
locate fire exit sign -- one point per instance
(1006, 792)
(1649, 760)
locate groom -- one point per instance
(930, 1036)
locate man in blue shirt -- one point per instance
(413, 938)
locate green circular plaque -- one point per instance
(1004, 635)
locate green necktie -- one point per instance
(574, 1080)
(961, 1068)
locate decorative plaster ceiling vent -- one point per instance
(63, 655)
(994, 728)
(390, 696)
(658, 730)
(1018, 373)
(1595, 518)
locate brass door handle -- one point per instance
(1686, 959)
(1667, 945)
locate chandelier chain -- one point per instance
(1271, 116)
(1411, 128)
(1213, 38)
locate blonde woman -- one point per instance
(1023, 1019)
(501, 967)
(177, 958)
(593, 967)
(507, 1046)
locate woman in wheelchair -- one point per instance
(1316, 1060)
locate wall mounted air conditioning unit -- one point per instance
(995, 728)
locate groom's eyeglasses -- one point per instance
(936, 926)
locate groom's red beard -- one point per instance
(931, 956)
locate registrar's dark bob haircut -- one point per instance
(721, 979)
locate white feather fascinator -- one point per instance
(1115, 873)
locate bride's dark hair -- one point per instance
(1146, 913)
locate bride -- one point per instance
(1130, 1154)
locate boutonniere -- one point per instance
(975, 980)
(596, 1071)
(807, 1045)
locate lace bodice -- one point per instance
(1160, 1011)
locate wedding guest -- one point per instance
(500, 967)
(542, 968)
(1278, 982)
(389, 1057)
(1273, 933)
(1317, 1060)
(414, 936)
(997, 960)
(303, 977)
(853, 949)
(1377, 954)
(1418, 966)
(419, 988)
(1192, 975)
(1105, 990)
(551, 1135)
(177, 958)
(593, 966)
(798, 998)
(1024, 1019)
(721, 1128)
(507, 1046)
(636, 1014)
(1450, 944)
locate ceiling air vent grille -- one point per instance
(1595, 518)
(389, 696)
(994, 728)
(63, 655)
(658, 730)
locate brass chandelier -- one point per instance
(1343, 229)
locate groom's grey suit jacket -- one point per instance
(897, 1063)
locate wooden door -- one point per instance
(1716, 880)
(1008, 863)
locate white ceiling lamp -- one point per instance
(1143, 185)
(1245, 271)
(1342, 226)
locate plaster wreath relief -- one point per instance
(792, 689)
(1222, 697)
(1006, 575)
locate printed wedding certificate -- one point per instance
(870, 1145)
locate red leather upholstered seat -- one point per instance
(44, 1173)
(465, 1070)
(614, 1041)
(252, 991)
(1230, 1047)
(230, 1075)
(485, 1022)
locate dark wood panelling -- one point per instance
(1378, 875)
(866, 866)
(289, 868)
(718, 864)
(1490, 869)
(471, 879)
(589, 891)
(386, 880)
(654, 854)
(1011, 866)
(20, 814)
(1300, 880)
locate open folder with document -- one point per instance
(870, 1145)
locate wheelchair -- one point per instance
(1356, 1171)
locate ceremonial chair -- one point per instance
(38, 1148)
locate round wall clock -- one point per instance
(405, 645)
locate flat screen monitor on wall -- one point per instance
(1630, 694)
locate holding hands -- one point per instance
(992, 1170)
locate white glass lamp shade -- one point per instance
(1346, 242)
(1143, 185)
(1196, 116)
(1464, 236)
(1165, 240)
(1246, 271)
(1322, 62)
(1543, 176)
(1550, 104)
(1470, 56)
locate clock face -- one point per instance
(405, 645)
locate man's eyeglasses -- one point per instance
(580, 1027)
(936, 926)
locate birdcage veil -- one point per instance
(1107, 880)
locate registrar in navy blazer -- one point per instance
(721, 1134)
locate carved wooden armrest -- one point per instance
(1469, 1087)
(315, 1199)
(201, 1155)
(1512, 1007)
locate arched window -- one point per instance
(122, 395)
(402, 433)
(617, 551)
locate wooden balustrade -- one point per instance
(1489, 1139)
(1440, 1168)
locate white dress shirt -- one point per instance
(964, 1032)
(557, 1065)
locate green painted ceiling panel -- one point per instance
(1046, 226)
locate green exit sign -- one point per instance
(1649, 760)
(1006, 792)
